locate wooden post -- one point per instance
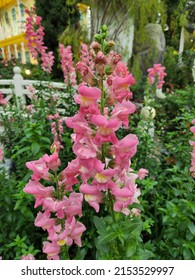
(18, 86)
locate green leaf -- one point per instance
(131, 248)
(21, 151)
(99, 224)
(133, 226)
(35, 148)
(105, 238)
(191, 227)
(45, 139)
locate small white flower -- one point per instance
(148, 112)
(160, 94)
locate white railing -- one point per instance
(17, 85)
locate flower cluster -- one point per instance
(67, 65)
(101, 171)
(103, 161)
(34, 36)
(156, 75)
(86, 56)
(58, 209)
(192, 143)
(57, 130)
(29, 257)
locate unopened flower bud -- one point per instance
(98, 38)
(104, 28)
(95, 46)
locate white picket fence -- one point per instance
(17, 85)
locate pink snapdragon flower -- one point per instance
(35, 40)
(72, 232)
(100, 62)
(28, 257)
(92, 195)
(121, 70)
(87, 98)
(52, 250)
(156, 75)
(40, 169)
(113, 60)
(47, 61)
(121, 87)
(86, 73)
(87, 56)
(89, 168)
(80, 126)
(142, 173)
(38, 191)
(44, 221)
(125, 148)
(67, 65)
(106, 129)
(122, 111)
(85, 149)
(52, 161)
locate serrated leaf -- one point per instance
(99, 224)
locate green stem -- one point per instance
(64, 253)
(102, 100)
(58, 193)
(111, 204)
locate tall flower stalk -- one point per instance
(35, 40)
(192, 143)
(101, 173)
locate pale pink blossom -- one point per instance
(156, 75)
(100, 62)
(40, 169)
(106, 129)
(87, 56)
(92, 195)
(38, 191)
(67, 65)
(52, 161)
(122, 111)
(87, 98)
(121, 87)
(52, 250)
(86, 73)
(35, 40)
(44, 221)
(142, 173)
(28, 257)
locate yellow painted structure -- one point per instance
(84, 15)
(12, 25)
